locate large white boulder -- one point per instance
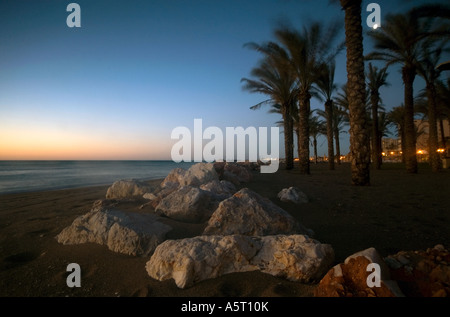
(188, 261)
(127, 233)
(248, 213)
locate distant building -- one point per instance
(423, 132)
(392, 148)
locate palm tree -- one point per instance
(427, 69)
(325, 87)
(316, 127)
(274, 78)
(308, 49)
(443, 101)
(338, 126)
(399, 42)
(396, 117)
(376, 78)
(359, 138)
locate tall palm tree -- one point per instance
(359, 138)
(376, 78)
(325, 87)
(399, 42)
(308, 49)
(443, 88)
(426, 68)
(274, 78)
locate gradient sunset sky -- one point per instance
(116, 87)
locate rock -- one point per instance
(392, 262)
(127, 189)
(350, 278)
(242, 173)
(219, 167)
(192, 260)
(149, 196)
(220, 189)
(439, 247)
(248, 213)
(196, 175)
(403, 259)
(230, 177)
(295, 257)
(127, 233)
(188, 204)
(422, 273)
(293, 194)
(174, 178)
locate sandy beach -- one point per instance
(399, 211)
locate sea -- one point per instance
(29, 176)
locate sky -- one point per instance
(117, 86)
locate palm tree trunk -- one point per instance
(380, 149)
(338, 145)
(288, 125)
(315, 148)
(329, 114)
(408, 76)
(441, 127)
(359, 138)
(403, 144)
(435, 159)
(376, 151)
(303, 133)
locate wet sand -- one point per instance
(397, 212)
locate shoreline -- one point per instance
(397, 212)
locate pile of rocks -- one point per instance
(243, 230)
(350, 279)
(190, 260)
(423, 273)
(406, 273)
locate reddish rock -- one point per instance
(349, 279)
(427, 273)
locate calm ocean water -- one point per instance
(26, 176)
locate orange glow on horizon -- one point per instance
(45, 145)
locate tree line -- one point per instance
(300, 65)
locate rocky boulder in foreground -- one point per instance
(248, 213)
(188, 261)
(127, 233)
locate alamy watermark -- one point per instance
(257, 147)
(74, 278)
(374, 18)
